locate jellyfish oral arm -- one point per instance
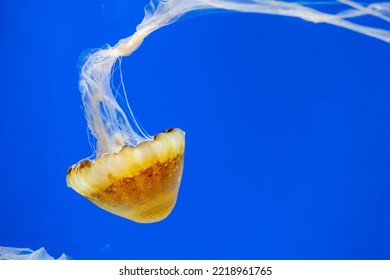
(161, 13)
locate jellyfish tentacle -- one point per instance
(372, 9)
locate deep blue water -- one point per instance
(287, 134)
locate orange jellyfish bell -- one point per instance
(140, 183)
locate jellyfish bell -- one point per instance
(140, 183)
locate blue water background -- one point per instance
(287, 131)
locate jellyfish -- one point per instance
(137, 176)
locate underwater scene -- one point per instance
(195, 129)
